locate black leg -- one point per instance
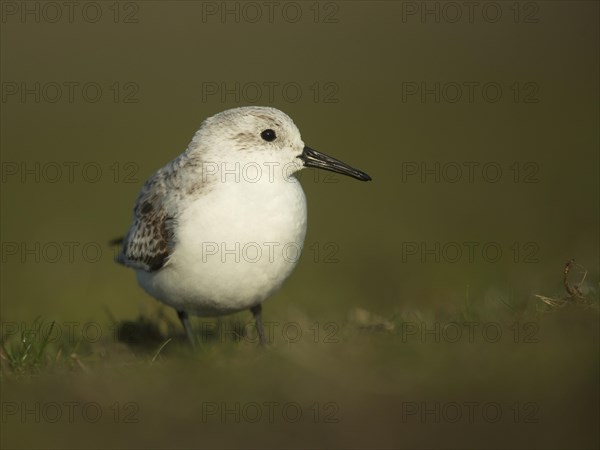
(185, 321)
(257, 313)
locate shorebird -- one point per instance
(218, 229)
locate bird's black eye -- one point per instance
(268, 135)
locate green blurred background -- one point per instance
(355, 63)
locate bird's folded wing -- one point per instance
(149, 242)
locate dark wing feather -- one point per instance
(149, 242)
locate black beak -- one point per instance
(313, 158)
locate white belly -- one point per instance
(235, 246)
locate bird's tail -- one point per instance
(119, 257)
(116, 241)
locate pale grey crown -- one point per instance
(241, 128)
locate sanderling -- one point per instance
(219, 228)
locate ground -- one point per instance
(522, 376)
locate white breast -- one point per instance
(235, 245)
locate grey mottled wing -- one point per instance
(149, 242)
